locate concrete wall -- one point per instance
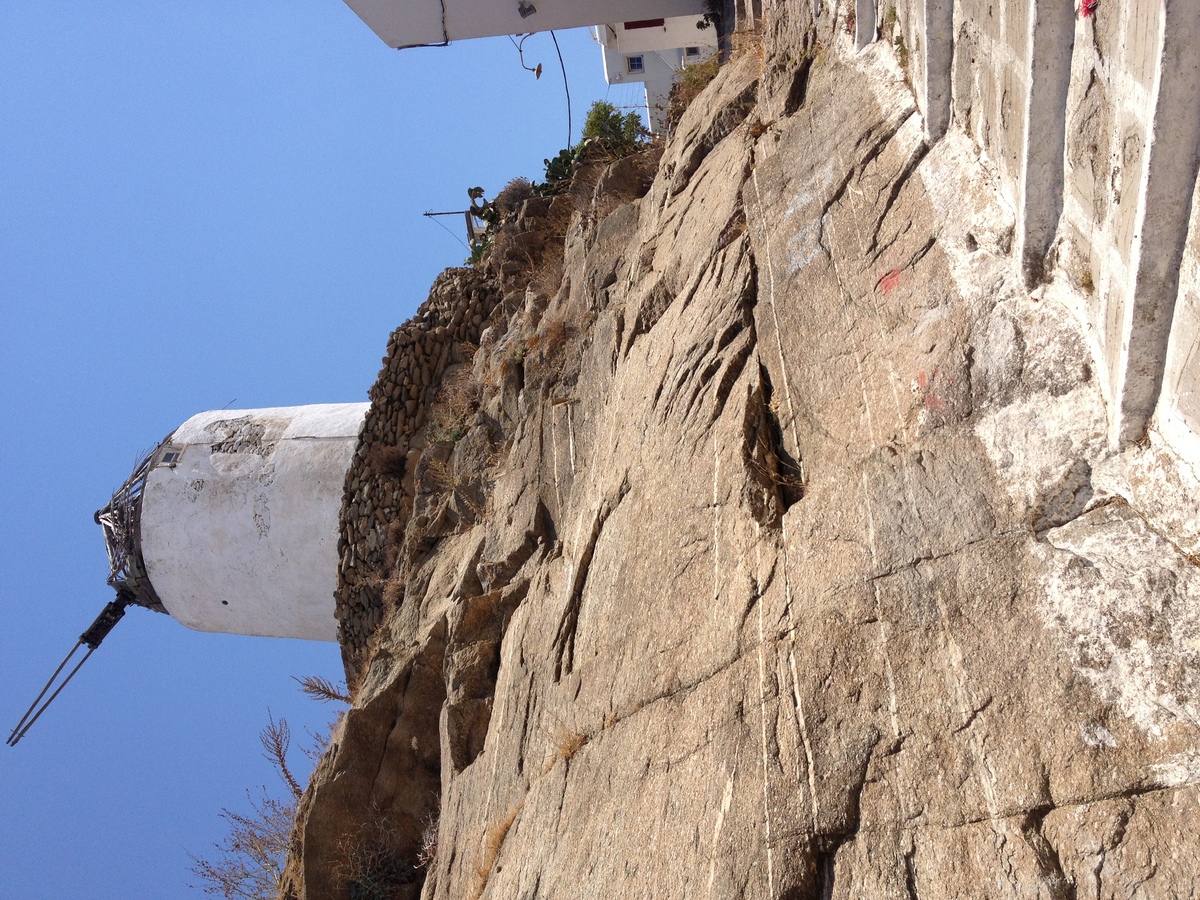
(415, 22)
(1179, 404)
(1109, 126)
(240, 535)
(1093, 126)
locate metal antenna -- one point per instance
(97, 632)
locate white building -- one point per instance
(652, 52)
(231, 524)
(417, 23)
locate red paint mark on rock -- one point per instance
(926, 386)
(889, 281)
(1088, 7)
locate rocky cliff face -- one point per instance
(763, 540)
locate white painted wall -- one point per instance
(406, 23)
(674, 33)
(240, 535)
(662, 51)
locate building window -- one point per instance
(170, 455)
(691, 51)
(635, 63)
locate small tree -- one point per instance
(615, 131)
(249, 862)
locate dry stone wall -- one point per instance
(418, 352)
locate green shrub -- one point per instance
(615, 131)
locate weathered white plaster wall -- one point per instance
(240, 535)
(421, 22)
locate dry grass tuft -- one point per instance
(570, 743)
(370, 862)
(386, 462)
(492, 843)
(565, 743)
(749, 42)
(393, 541)
(691, 83)
(393, 591)
(456, 402)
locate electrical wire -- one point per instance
(451, 233)
(567, 90)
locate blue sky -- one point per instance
(199, 204)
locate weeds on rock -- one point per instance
(386, 462)
(371, 864)
(427, 855)
(545, 344)
(564, 744)
(691, 83)
(492, 843)
(457, 401)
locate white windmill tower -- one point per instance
(231, 525)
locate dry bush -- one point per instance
(385, 462)
(371, 863)
(443, 477)
(546, 343)
(691, 83)
(393, 591)
(456, 402)
(508, 202)
(439, 474)
(555, 334)
(249, 862)
(393, 540)
(427, 855)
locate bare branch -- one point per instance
(249, 862)
(276, 738)
(322, 689)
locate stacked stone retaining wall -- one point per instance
(418, 352)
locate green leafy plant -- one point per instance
(614, 131)
(560, 169)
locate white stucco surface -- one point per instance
(240, 534)
(662, 53)
(413, 22)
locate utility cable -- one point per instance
(567, 90)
